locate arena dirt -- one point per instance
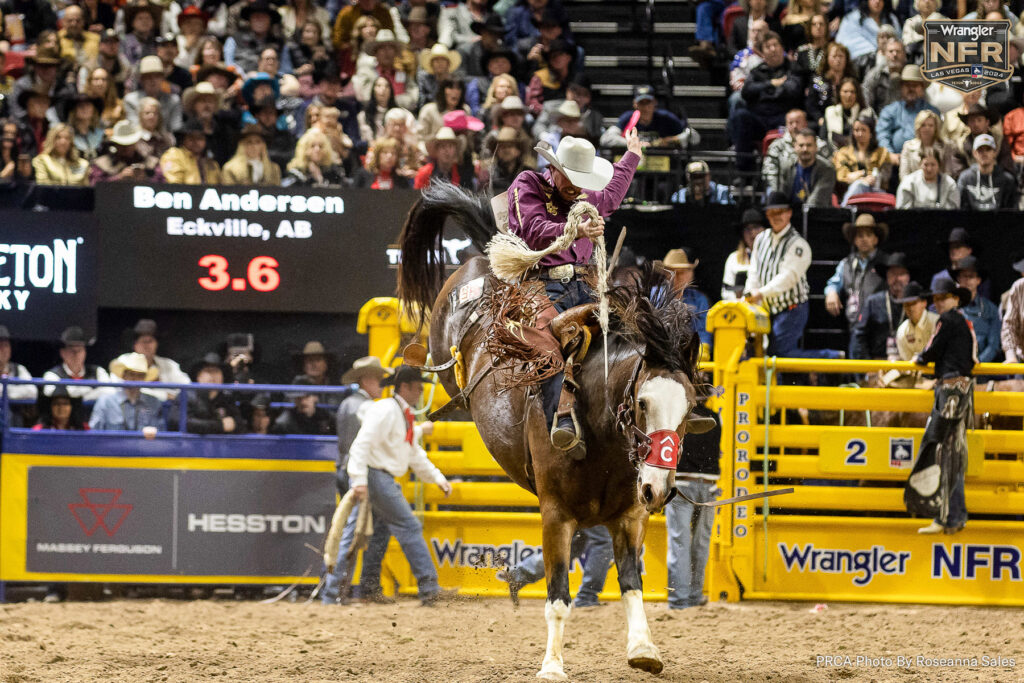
(486, 640)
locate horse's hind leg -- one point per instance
(558, 530)
(628, 536)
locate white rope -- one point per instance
(510, 258)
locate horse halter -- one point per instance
(625, 421)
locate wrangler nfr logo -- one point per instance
(966, 55)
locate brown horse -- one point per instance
(652, 354)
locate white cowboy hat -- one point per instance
(577, 159)
(444, 134)
(367, 365)
(569, 109)
(133, 362)
(151, 65)
(440, 50)
(384, 37)
(201, 89)
(125, 133)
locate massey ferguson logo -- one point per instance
(966, 55)
(100, 509)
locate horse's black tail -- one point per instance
(421, 273)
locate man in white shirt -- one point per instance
(384, 449)
(919, 325)
(146, 342)
(778, 280)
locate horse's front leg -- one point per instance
(558, 531)
(628, 536)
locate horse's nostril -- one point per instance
(647, 492)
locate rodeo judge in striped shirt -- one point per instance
(384, 449)
(778, 280)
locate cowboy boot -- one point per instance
(566, 434)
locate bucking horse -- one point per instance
(633, 419)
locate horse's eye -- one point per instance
(643, 404)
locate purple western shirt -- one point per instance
(538, 214)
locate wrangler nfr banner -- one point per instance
(966, 55)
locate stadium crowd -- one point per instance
(364, 94)
(832, 99)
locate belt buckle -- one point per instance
(562, 273)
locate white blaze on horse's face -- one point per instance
(663, 403)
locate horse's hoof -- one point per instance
(646, 658)
(552, 674)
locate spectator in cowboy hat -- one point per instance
(202, 105)
(580, 91)
(442, 161)
(141, 26)
(393, 62)
(33, 124)
(896, 120)
(242, 49)
(656, 127)
(918, 324)
(73, 345)
(980, 120)
(83, 115)
(983, 314)
(737, 265)
(146, 340)
(680, 266)
(507, 111)
(436, 64)
(153, 84)
(317, 365)
(189, 163)
(985, 186)
(129, 409)
(567, 124)
(491, 31)
(251, 164)
(267, 117)
(125, 162)
(420, 28)
(874, 333)
(510, 153)
(192, 22)
(700, 189)
(60, 411)
(856, 278)
(957, 246)
(211, 411)
(305, 416)
(43, 71)
(347, 17)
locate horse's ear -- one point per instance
(698, 424)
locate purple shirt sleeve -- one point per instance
(529, 218)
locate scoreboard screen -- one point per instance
(245, 248)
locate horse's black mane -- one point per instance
(647, 313)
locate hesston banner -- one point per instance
(164, 522)
(966, 55)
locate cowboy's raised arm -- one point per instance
(608, 200)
